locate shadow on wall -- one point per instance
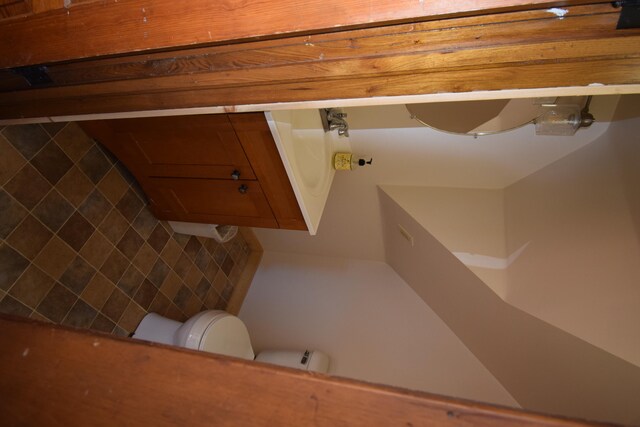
(562, 244)
(626, 147)
(368, 320)
(541, 366)
(581, 269)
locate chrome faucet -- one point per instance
(333, 119)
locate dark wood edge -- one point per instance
(53, 374)
(255, 137)
(120, 27)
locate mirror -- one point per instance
(476, 117)
(553, 116)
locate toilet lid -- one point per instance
(227, 335)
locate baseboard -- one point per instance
(244, 282)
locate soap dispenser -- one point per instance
(347, 161)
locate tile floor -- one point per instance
(78, 245)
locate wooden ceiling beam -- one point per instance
(421, 38)
(111, 27)
(558, 74)
(518, 50)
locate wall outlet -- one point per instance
(405, 234)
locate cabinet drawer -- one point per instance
(203, 146)
(210, 200)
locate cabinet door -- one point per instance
(211, 201)
(203, 146)
(256, 139)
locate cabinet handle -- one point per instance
(243, 189)
(235, 175)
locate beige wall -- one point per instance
(625, 137)
(468, 221)
(562, 244)
(371, 323)
(543, 367)
(581, 269)
(409, 154)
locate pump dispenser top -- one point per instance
(347, 161)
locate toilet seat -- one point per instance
(216, 331)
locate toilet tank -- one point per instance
(307, 360)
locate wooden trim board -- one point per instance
(529, 49)
(594, 90)
(117, 27)
(55, 375)
(248, 272)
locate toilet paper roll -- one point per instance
(221, 233)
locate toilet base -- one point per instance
(219, 332)
(156, 328)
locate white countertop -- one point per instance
(307, 154)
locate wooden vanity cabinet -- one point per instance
(219, 168)
(211, 201)
(204, 146)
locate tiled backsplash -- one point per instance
(78, 245)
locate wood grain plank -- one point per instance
(13, 8)
(482, 45)
(401, 62)
(552, 74)
(419, 37)
(40, 6)
(135, 25)
(353, 64)
(53, 375)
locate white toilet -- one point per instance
(217, 331)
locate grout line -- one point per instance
(20, 154)
(248, 271)
(235, 250)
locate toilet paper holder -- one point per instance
(220, 233)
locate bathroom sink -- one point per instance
(307, 152)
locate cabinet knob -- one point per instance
(235, 175)
(243, 189)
